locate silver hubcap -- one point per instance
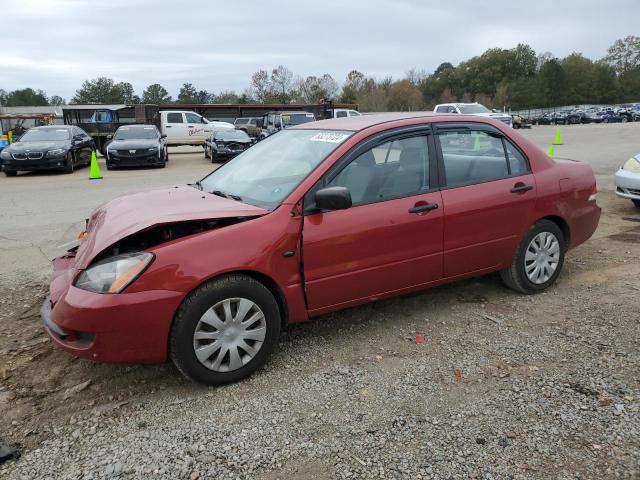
(542, 257)
(229, 334)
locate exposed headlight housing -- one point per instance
(632, 165)
(114, 274)
(56, 152)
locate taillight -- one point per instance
(594, 193)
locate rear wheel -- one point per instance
(214, 157)
(636, 203)
(538, 260)
(206, 152)
(224, 330)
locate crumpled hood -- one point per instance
(137, 212)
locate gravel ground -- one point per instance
(468, 380)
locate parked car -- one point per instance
(473, 109)
(627, 180)
(137, 146)
(188, 128)
(345, 112)
(273, 122)
(544, 119)
(225, 144)
(249, 125)
(317, 218)
(592, 117)
(59, 147)
(609, 116)
(520, 122)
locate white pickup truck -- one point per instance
(188, 128)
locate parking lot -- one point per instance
(503, 385)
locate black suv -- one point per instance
(62, 147)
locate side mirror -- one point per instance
(109, 137)
(164, 135)
(333, 198)
(78, 138)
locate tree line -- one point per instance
(513, 78)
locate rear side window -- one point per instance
(341, 114)
(517, 162)
(472, 157)
(193, 118)
(174, 118)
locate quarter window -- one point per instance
(517, 162)
(174, 118)
(472, 157)
(392, 169)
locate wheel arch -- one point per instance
(562, 225)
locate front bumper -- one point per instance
(135, 160)
(45, 163)
(116, 328)
(627, 184)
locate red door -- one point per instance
(489, 195)
(390, 239)
(352, 256)
(484, 223)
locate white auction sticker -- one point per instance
(331, 137)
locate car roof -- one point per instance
(362, 122)
(53, 127)
(137, 125)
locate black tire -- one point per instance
(162, 165)
(166, 155)
(206, 152)
(68, 163)
(181, 349)
(109, 166)
(11, 173)
(515, 276)
(636, 203)
(214, 157)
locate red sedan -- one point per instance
(315, 218)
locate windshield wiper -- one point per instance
(198, 184)
(222, 194)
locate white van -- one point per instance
(188, 128)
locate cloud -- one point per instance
(56, 44)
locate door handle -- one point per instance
(168, 126)
(521, 188)
(423, 208)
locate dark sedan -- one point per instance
(226, 144)
(62, 147)
(137, 146)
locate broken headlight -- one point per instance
(114, 274)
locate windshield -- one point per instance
(45, 134)
(241, 121)
(267, 172)
(136, 133)
(230, 135)
(470, 109)
(297, 118)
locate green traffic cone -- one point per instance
(558, 140)
(94, 172)
(476, 145)
(551, 152)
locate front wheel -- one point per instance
(68, 164)
(224, 330)
(636, 203)
(538, 260)
(11, 173)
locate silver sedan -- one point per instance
(628, 180)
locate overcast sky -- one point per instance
(56, 44)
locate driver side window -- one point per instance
(393, 169)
